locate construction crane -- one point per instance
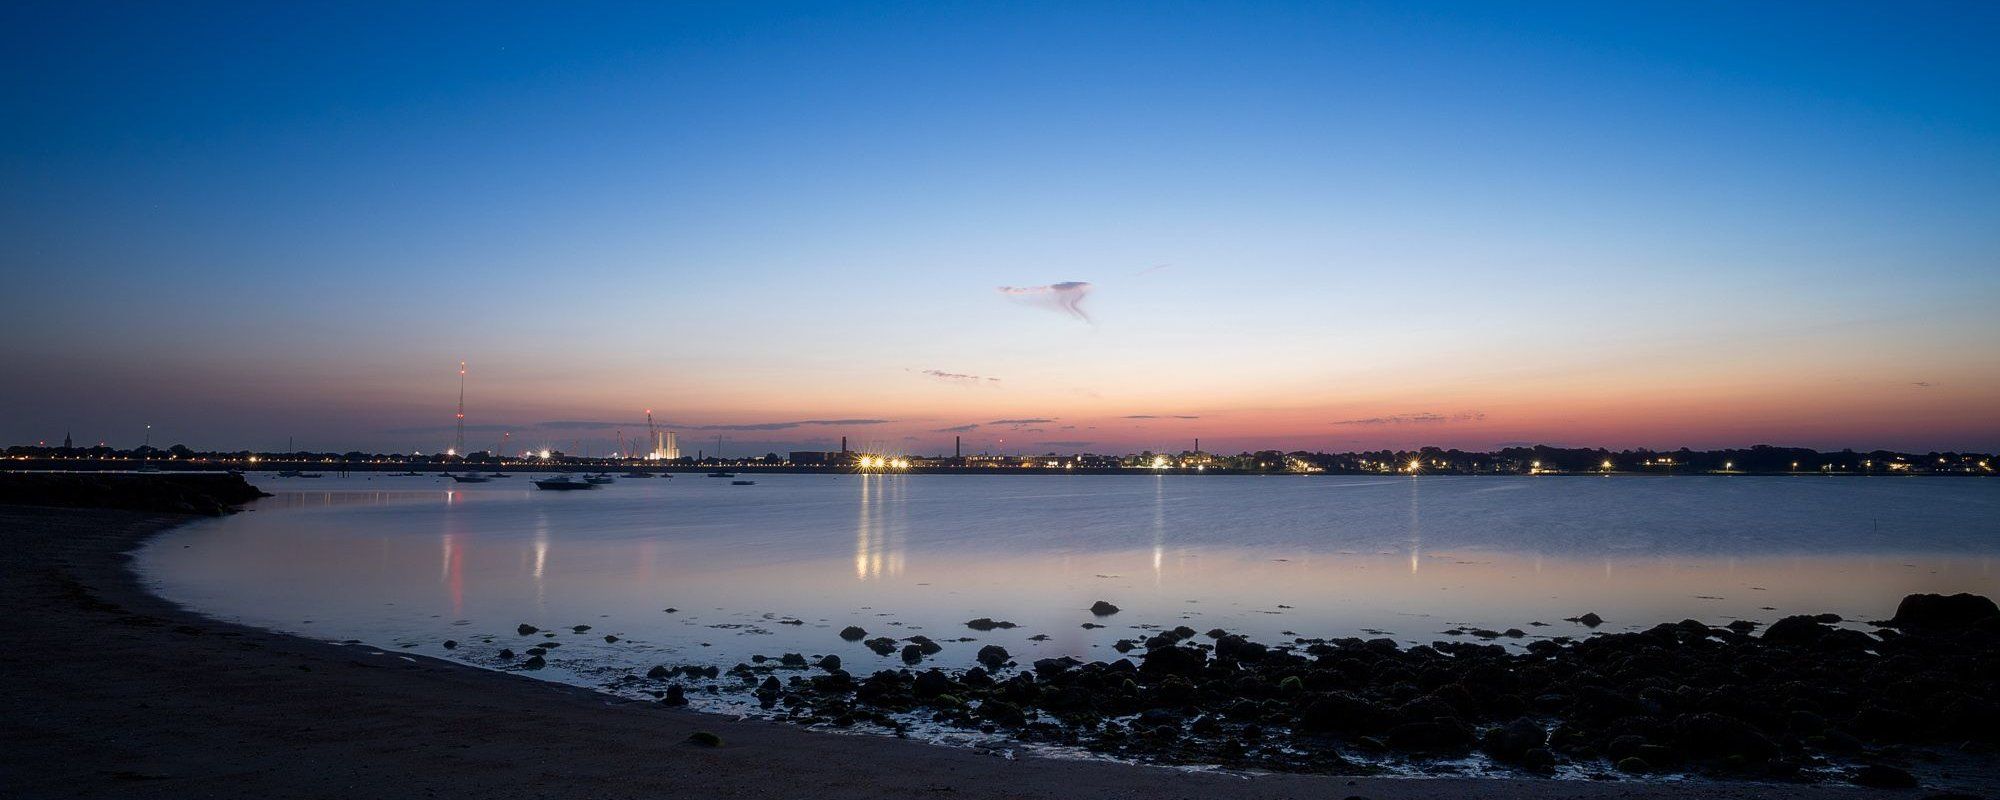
(459, 445)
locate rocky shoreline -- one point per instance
(1800, 701)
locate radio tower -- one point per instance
(460, 446)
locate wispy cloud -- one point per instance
(970, 426)
(958, 377)
(1066, 297)
(448, 428)
(1922, 384)
(1020, 423)
(781, 426)
(594, 425)
(1419, 418)
(1161, 416)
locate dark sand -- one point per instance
(108, 690)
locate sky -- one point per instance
(1041, 227)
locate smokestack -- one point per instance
(1197, 444)
(957, 447)
(843, 444)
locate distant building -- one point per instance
(815, 458)
(666, 446)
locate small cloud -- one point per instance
(1161, 416)
(970, 426)
(1066, 297)
(781, 426)
(1922, 384)
(1419, 418)
(1020, 422)
(582, 425)
(448, 428)
(957, 377)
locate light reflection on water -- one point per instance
(414, 561)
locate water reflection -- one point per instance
(1413, 556)
(878, 532)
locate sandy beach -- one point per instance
(112, 691)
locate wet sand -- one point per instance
(111, 691)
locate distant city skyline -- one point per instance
(1040, 227)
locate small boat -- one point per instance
(563, 483)
(743, 483)
(720, 474)
(498, 475)
(410, 474)
(599, 480)
(310, 475)
(288, 473)
(470, 478)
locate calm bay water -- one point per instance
(406, 563)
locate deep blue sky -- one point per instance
(1690, 223)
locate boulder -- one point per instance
(993, 656)
(1103, 609)
(853, 633)
(1796, 630)
(525, 629)
(1942, 612)
(987, 624)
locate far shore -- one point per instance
(113, 691)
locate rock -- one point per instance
(1796, 630)
(1001, 712)
(1050, 667)
(1513, 741)
(671, 610)
(912, 654)
(985, 624)
(1883, 776)
(1722, 737)
(830, 663)
(1590, 619)
(853, 633)
(1634, 764)
(525, 629)
(1435, 736)
(793, 660)
(1743, 626)
(930, 683)
(1942, 612)
(676, 696)
(705, 739)
(993, 656)
(1103, 609)
(534, 662)
(1172, 660)
(1091, 626)
(580, 628)
(609, 639)
(507, 653)
(925, 644)
(882, 645)
(450, 645)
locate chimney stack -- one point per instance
(957, 447)
(843, 444)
